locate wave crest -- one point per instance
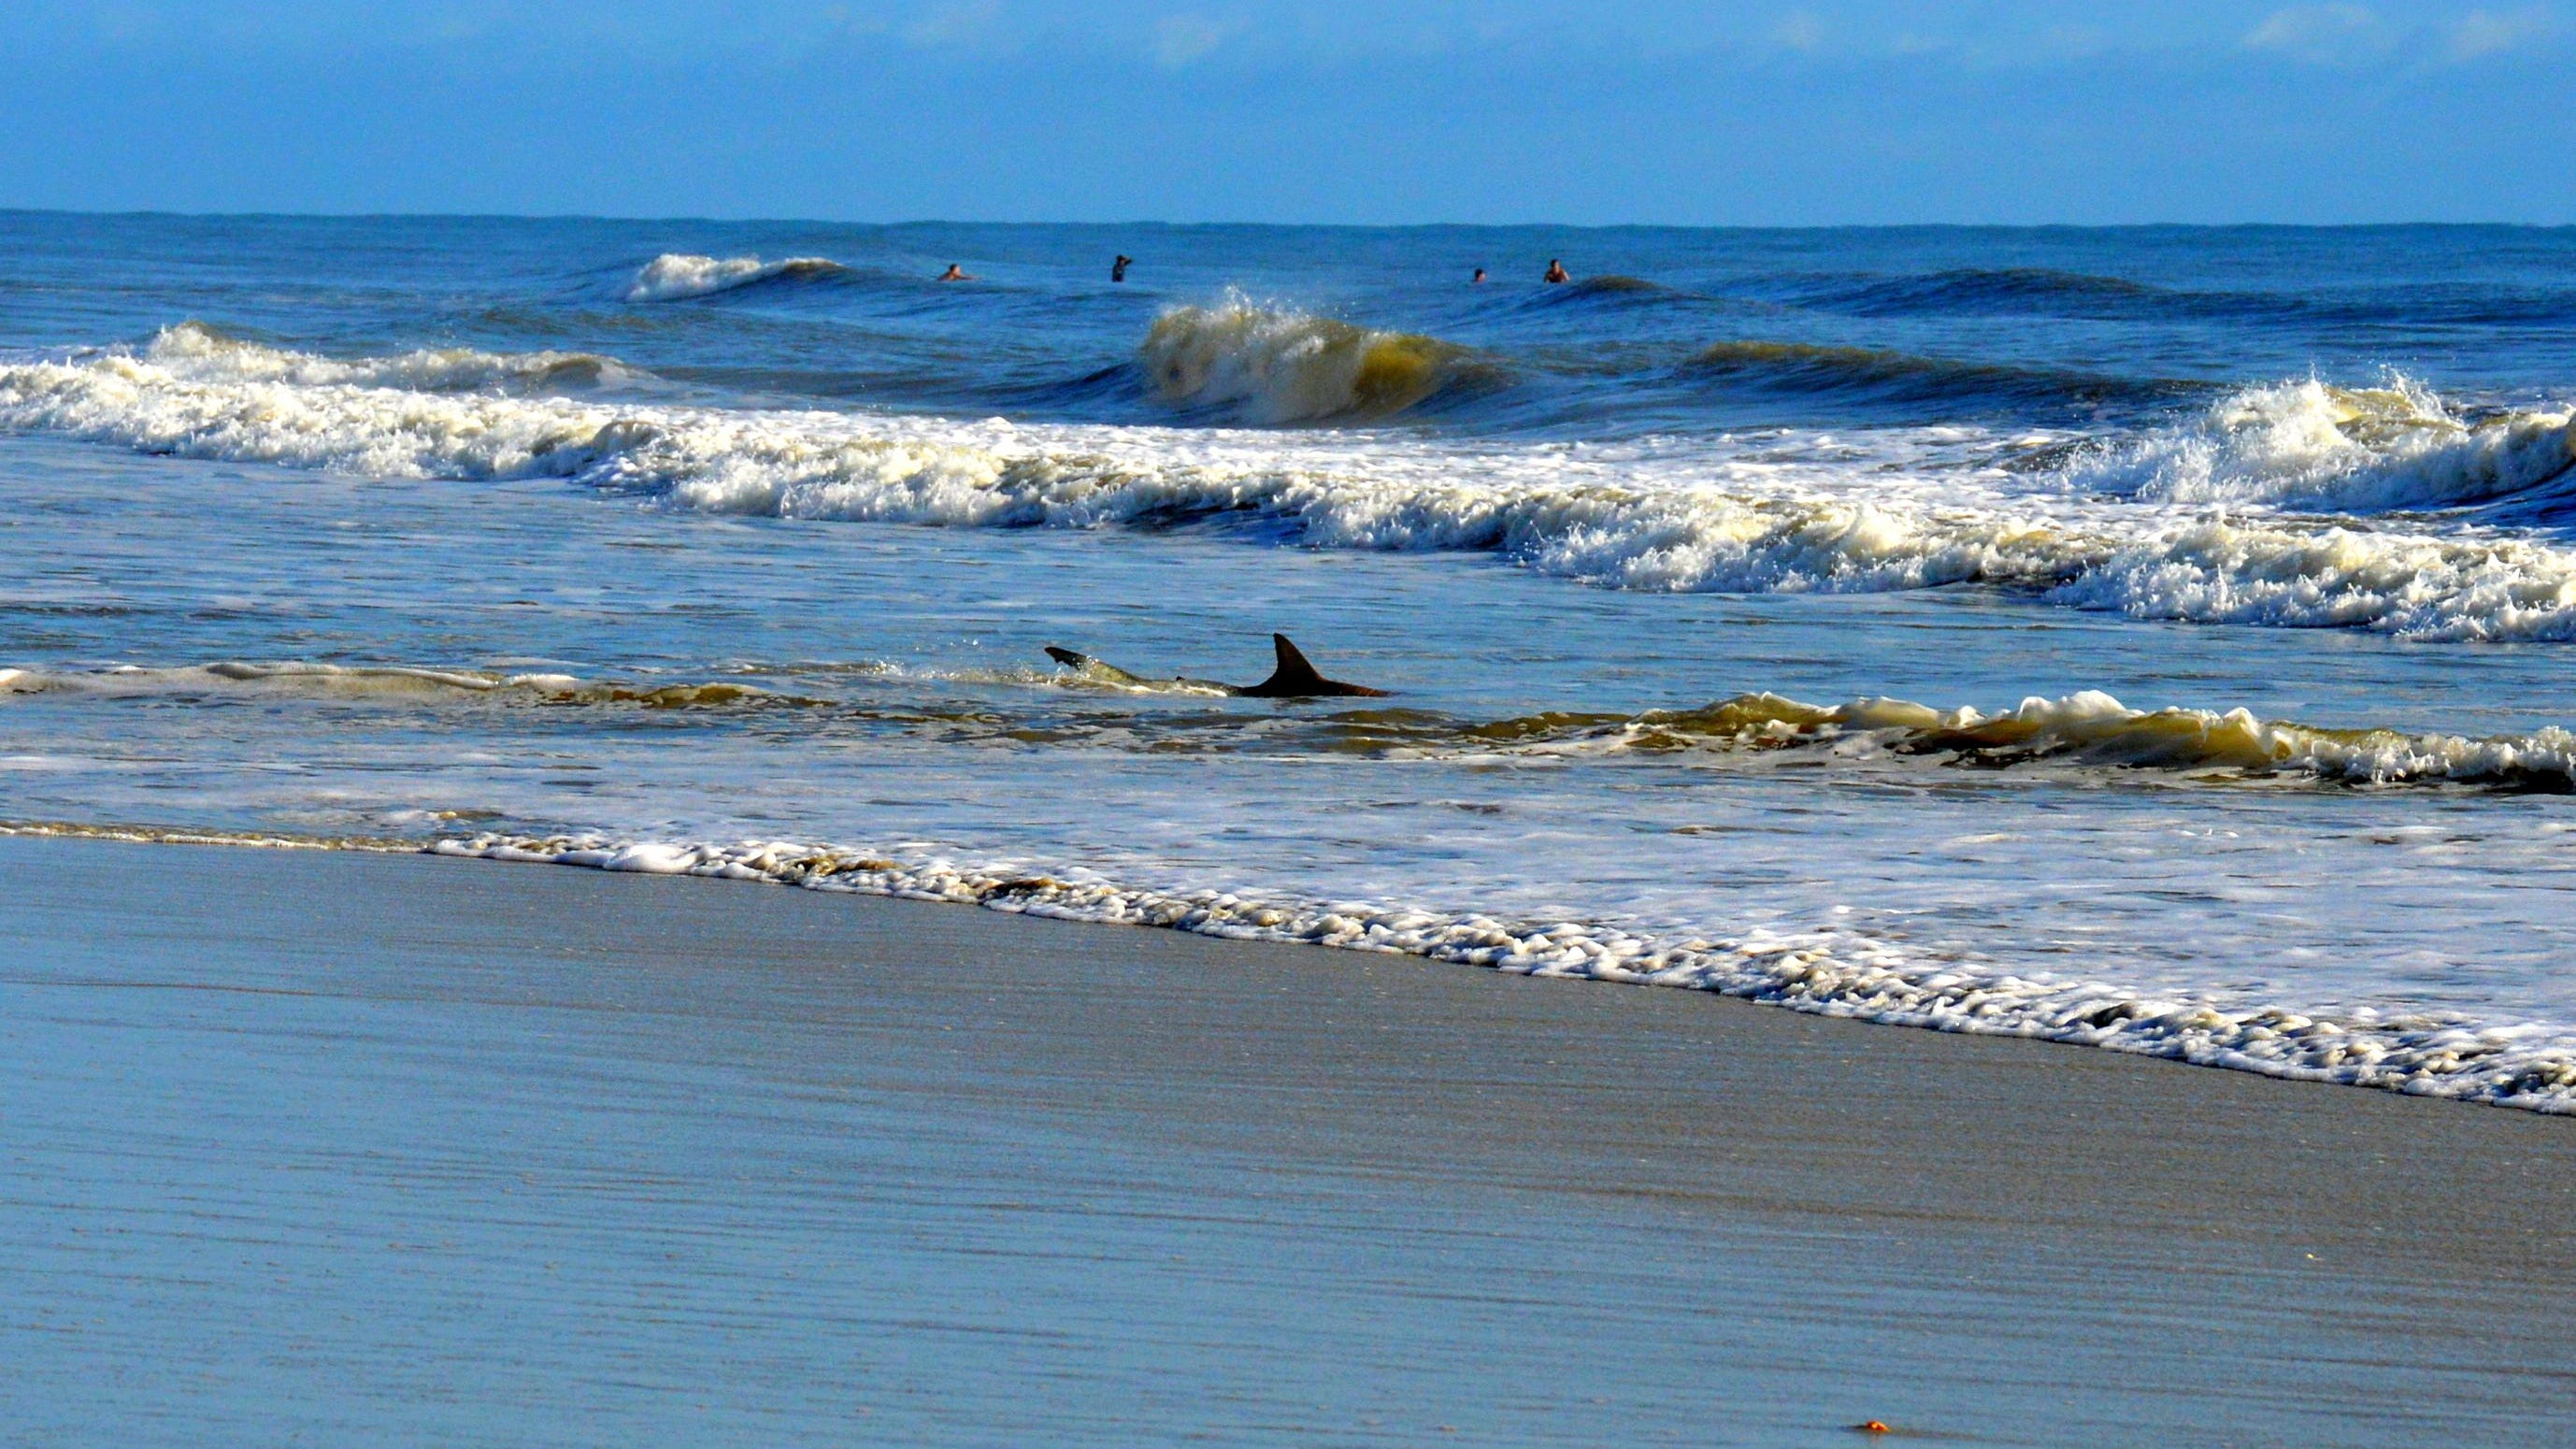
(676, 276)
(1608, 288)
(1890, 376)
(2092, 729)
(2029, 291)
(193, 349)
(1275, 366)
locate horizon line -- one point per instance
(152, 213)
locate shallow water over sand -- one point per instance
(544, 530)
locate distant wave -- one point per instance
(2028, 289)
(1608, 290)
(1270, 365)
(1736, 528)
(1797, 367)
(675, 276)
(389, 682)
(2358, 449)
(1610, 284)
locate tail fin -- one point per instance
(1097, 671)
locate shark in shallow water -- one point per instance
(1294, 678)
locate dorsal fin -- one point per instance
(1294, 674)
(1297, 679)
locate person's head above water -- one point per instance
(1480, 275)
(1556, 271)
(956, 273)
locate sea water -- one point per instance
(2155, 639)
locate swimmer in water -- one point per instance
(956, 274)
(1556, 272)
(1118, 268)
(1478, 279)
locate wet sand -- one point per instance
(341, 1148)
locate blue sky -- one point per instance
(1203, 110)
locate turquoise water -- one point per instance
(663, 534)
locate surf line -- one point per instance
(1818, 972)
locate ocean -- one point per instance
(2151, 639)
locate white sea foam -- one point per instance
(1757, 516)
(1828, 972)
(674, 276)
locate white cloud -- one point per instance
(2484, 32)
(2322, 34)
(956, 22)
(1800, 30)
(1187, 37)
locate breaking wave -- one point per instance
(676, 276)
(1734, 527)
(2314, 445)
(1267, 365)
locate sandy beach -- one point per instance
(342, 1148)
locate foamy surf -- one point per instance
(1723, 517)
(1824, 972)
(2315, 445)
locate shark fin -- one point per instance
(1295, 678)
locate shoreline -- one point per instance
(1821, 973)
(377, 1146)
